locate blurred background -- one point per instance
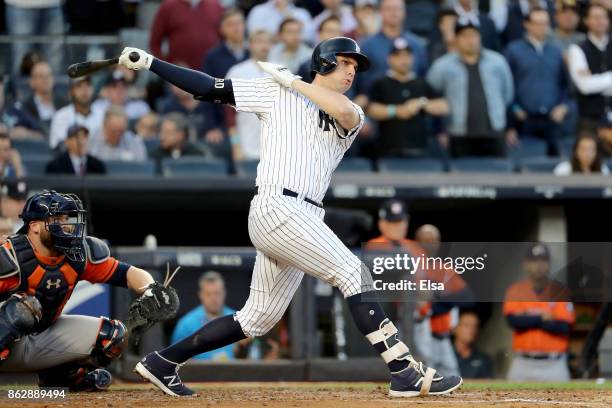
(487, 121)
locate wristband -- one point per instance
(391, 111)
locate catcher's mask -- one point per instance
(64, 218)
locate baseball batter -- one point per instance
(305, 131)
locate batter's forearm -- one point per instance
(195, 82)
(138, 279)
(333, 103)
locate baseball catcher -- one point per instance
(39, 268)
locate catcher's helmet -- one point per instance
(324, 55)
(67, 233)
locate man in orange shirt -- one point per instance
(39, 268)
(539, 311)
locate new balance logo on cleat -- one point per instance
(163, 374)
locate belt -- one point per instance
(542, 356)
(289, 193)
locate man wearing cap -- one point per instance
(468, 10)
(115, 93)
(540, 313)
(541, 82)
(78, 112)
(400, 102)
(13, 195)
(75, 159)
(477, 83)
(378, 46)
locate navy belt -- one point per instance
(289, 193)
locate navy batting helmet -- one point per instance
(324, 55)
(64, 218)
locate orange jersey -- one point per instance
(521, 299)
(51, 279)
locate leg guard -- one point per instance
(111, 341)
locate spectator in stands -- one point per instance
(75, 159)
(441, 40)
(290, 51)
(590, 65)
(367, 17)
(43, 17)
(206, 122)
(17, 122)
(540, 82)
(540, 313)
(173, 139)
(333, 8)
(147, 127)
(42, 104)
(12, 199)
(10, 159)
(78, 112)
(586, 158)
(6, 227)
(604, 132)
(401, 102)
(244, 127)
(268, 16)
(567, 20)
(190, 27)
(115, 93)
(510, 14)
(377, 47)
(115, 141)
(329, 28)
(211, 294)
(472, 362)
(467, 10)
(232, 49)
(471, 79)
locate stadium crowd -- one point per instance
(521, 82)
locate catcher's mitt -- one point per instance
(159, 302)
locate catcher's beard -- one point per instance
(47, 240)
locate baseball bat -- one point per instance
(88, 67)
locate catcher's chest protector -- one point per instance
(51, 284)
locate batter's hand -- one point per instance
(280, 73)
(144, 62)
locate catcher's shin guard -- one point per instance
(112, 339)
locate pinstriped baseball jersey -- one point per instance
(301, 145)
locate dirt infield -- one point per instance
(331, 395)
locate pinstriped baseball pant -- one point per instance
(291, 239)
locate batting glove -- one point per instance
(144, 60)
(280, 73)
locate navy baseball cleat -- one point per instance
(163, 374)
(419, 380)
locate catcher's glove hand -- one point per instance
(159, 302)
